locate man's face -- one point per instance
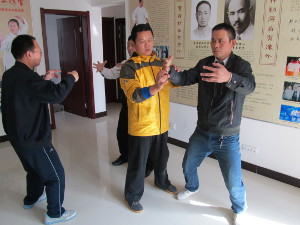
(221, 45)
(203, 15)
(36, 55)
(144, 43)
(239, 15)
(130, 47)
(13, 27)
(141, 4)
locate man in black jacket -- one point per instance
(25, 118)
(224, 80)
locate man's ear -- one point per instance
(28, 54)
(233, 42)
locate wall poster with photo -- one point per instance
(15, 20)
(268, 36)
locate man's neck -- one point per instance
(202, 28)
(24, 61)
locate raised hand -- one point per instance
(20, 18)
(50, 74)
(167, 63)
(99, 66)
(161, 79)
(219, 74)
(75, 75)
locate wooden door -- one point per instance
(109, 55)
(72, 58)
(121, 41)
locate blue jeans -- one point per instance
(227, 152)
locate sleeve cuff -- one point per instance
(146, 92)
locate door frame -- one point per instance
(89, 87)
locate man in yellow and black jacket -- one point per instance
(146, 87)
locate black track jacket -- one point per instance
(24, 102)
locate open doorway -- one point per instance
(66, 38)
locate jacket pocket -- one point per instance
(146, 112)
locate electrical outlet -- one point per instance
(249, 148)
(172, 125)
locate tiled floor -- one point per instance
(95, 188)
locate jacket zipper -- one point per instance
(231, 111)
(157, 95)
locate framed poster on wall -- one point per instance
(15, 20)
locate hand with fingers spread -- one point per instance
(219, 74)
(161, 79)
(50, 74)
(99, 66)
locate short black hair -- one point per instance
(21, 44)
(13, 20)
(201, 3)
(140, 28)
(225, 26)
(140, 1)
(129, 38)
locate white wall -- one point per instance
(114, 11)
(96, 37)
(106, 2)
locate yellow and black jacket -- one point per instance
(147, 115)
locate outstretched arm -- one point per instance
(24, 27)
(50, 74)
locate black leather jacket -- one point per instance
(219, 104)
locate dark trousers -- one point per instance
(123, 136)
(154, 147)
(122, 130)
(44, 169)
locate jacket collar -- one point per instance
(230, 60)
(229, 63)
(145, 58)
(22, 65)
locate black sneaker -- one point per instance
(135, 206)
(171, 189)
(119, 161)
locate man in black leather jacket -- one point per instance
(224, 80)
